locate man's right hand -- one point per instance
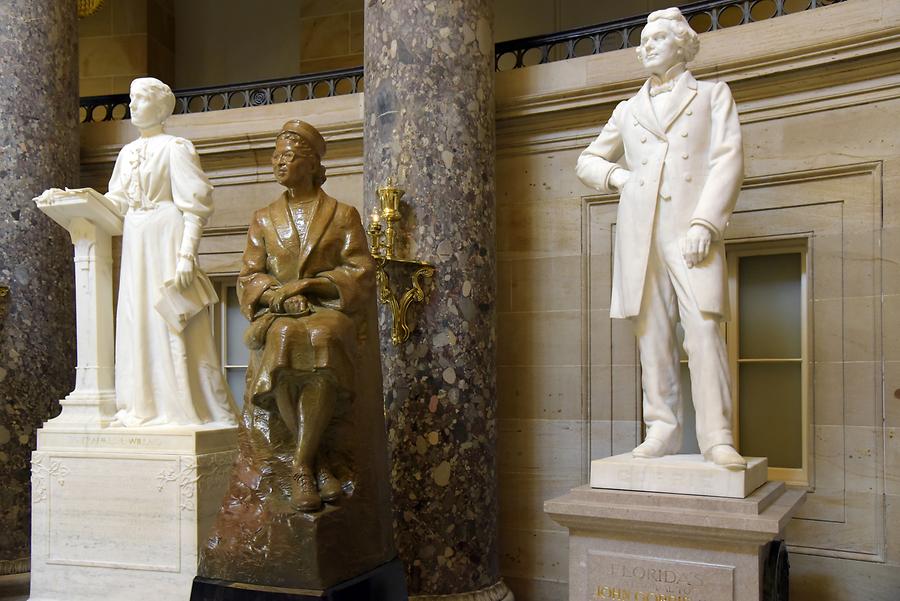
(619, 177)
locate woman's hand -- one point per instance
(184, 271)
(296, 305)
(279, 296)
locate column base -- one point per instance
(664, 547)
(496, 592)
(384, 583)
(118, 512)
(85, 410)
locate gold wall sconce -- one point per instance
(382, 239)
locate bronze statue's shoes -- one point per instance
(650, 448)
(329, 486)
(726, 456)
(304, 495)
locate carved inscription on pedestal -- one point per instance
(633, 578)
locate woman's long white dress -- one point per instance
(163, 376)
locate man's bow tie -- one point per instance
(655, 90)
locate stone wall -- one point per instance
(125, 39)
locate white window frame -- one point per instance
(773, 246)
(220, 329)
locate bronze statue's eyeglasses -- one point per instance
(287, 156)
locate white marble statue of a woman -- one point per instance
(167, 369)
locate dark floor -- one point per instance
(14, 587)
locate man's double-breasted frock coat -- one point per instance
(690, 157)
(683, 149)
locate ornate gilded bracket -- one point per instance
(88, 7)
(400, 329)
(381, 241)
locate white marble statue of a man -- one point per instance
(167, 369)
(683, 169)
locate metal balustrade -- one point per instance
(709, 15)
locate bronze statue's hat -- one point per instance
(308, 133)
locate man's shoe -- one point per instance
(726, 456)
(304, 495)
(329, 486)
(650, 448)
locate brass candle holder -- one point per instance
(382, 240)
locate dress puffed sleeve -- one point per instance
(191, 189)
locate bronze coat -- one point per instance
(326, 341)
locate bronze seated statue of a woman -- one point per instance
(307, 269)
(312, 427)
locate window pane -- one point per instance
(769, 306)
(236, 377)
(235, 325)
(770, 412)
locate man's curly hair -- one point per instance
(687, 38)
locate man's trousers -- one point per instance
(667, 299)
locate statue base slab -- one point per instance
(680, 474)
(387, 582)
(665, 547)
(121, 513)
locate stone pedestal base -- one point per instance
(640, 546)
(120, 514)
(387, 582)
(682, 474)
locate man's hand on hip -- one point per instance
(619, 177)
(695, 245)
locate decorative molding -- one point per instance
(43, 469)
(9, 567)
(185, 475)
(580, 92)
(191, 471)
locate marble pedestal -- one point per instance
(640, 546)
(120, 513)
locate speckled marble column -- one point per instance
(38, 150)
(429, 123)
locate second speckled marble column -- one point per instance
(429, 123)
(38, 150)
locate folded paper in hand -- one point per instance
(178, 306)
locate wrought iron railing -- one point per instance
(256, 93)
(708, 15)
